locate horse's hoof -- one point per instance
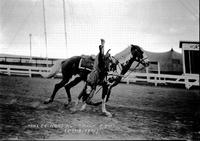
(47, 101)
(83, 107)
(108, 114)
(73, 110)
(68, 105)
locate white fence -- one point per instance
(22, 70)
(187, 80)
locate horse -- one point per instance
(76, 65)
(72, 67)
(113, 79)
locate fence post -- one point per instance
(8, 70)
(29, 72)
(52, 62)
(147, 71)
(127, 82)
(187, 83)
(155, 79)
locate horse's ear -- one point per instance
(108, 51)
(133, 47)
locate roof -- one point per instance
(187, 42)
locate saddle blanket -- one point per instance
(86, 62)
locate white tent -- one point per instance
(170, 61)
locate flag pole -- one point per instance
(45, 32)
(65, 30)
(30, 35)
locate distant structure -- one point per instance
(190, 51)
(169, 62)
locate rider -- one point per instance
(97, 75)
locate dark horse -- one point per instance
(72, 66)
(81, 65)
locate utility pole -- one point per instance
(45, 32)
(30, 35)
(65, 30)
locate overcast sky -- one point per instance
(155, 25)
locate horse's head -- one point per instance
(139, 55)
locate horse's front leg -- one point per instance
(111, 85)
(104, 107)
(104, 98)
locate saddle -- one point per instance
(86, 62)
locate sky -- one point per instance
(155, 25)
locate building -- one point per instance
(190, 51)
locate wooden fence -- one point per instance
(22, 70)
(35, 61)
(187, 80)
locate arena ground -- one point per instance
(139, 112)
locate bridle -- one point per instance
(140, 61)
(117, 62)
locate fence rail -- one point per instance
(26, 61)
(187, 80)
(22, 70)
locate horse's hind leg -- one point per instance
(69, 86)
(56, 88)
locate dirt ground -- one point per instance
(139, 112)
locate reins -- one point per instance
(124, 76)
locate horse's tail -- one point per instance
(53, 70)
